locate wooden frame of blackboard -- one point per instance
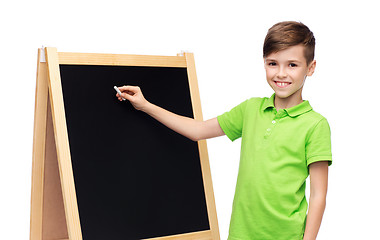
(54, 210)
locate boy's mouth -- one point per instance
(282, 84)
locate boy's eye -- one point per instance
(272, 64)
(292, 65)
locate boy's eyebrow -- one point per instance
(294, 60)
(269, 59)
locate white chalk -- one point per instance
(118, 91)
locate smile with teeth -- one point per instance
(282, 84)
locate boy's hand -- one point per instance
(134, 95)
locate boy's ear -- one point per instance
(311, 68)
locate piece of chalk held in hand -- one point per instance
(118, 91)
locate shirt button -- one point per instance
(273, 121)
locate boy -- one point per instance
(283, 140)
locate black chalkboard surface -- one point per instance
(134, 178)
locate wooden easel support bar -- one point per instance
(203, 235)
(39, 138)
(62, 145)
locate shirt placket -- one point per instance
(278, 116)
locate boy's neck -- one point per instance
(284, 103)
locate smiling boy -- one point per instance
(283, 141)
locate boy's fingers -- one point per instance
(127, 96)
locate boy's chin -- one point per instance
(286, 96)
(288, 93)
(281, 94)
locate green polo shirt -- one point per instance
(276, 149)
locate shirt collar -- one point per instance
(269, 103)
(293, 111)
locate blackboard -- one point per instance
(134, 178)
(103, 170)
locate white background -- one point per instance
(226, 38)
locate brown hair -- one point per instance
(283, 35)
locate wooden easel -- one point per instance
(54, 210)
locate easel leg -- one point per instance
(39, 140)
(47, 216)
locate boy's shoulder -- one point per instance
(315, 120)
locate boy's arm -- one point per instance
(188, 127)
(318, 191)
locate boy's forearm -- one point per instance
(314, 217)
(185, 126)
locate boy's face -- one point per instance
(286, 72)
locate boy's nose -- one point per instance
(282, 73)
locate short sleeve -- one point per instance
(232, 122)
(318, 143)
